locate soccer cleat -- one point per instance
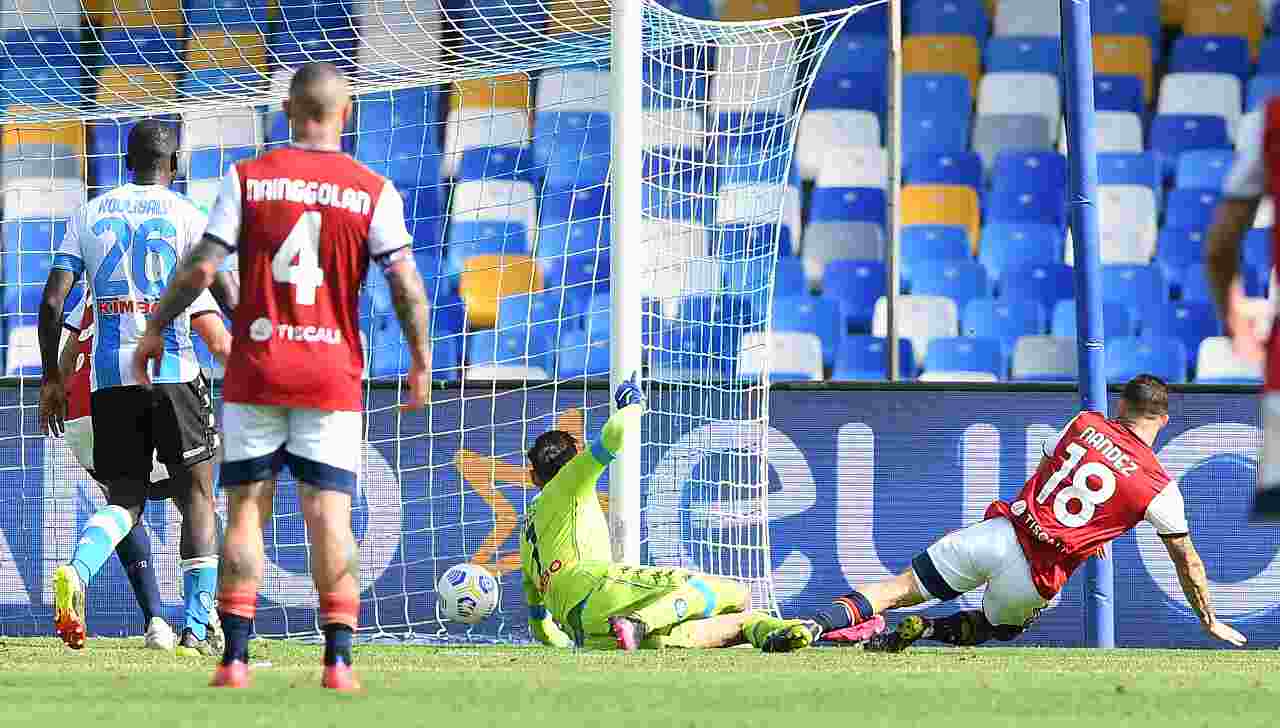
(909, 630)
(213, 634)
(340, 676)
(629, 632)
(190, 646)
(795, 635)
(159, 635)
(68, 606)
(858, 633)
(235, 675)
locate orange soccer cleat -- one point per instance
(235, 675)
(68, 607)
(340, 676)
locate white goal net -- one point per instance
(492, 118)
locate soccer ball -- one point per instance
(468, 593)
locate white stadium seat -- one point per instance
(1028, 17)
(1041, 357)
(1127, 218)
(958, 376)
(1021, 93)
(20, 14)
(790, 354)
(203, 191)
(496, 199)
(920, 319)
(677, 262)
(23, 350)
(836, 240)
(398, 33)
(823, 129)
(573, 90)
(206, 130)
(498, 372)
(473, 126)
(757, 204)
(850, 166)
(1213, 94)
(1217, 362)
(1117, 131)
(757, 73)
(42, 196)
(673, 128)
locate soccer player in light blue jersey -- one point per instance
(127, 244)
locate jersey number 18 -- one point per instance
(1079, 490)
(304, 273)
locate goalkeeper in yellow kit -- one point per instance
(570, 578)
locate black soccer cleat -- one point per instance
(908, 632)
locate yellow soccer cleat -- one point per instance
(68, 606)
(794, 634)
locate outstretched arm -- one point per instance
(194, 275)
(580, 474)
(1195, 586)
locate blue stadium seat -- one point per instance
(923, 243)
(1128, 17)
(448, 314)
(43, 47)
(954, 17)
(935, 92)
(926, 132)
(1261, 88)
(944, 168)
(41, 85)
(1007, 244)
(856, 53)
(1256, 252)
(863, 357)
(505, 163)
(960, 280)
(1130, 168)
(580, 357)
(747, 134)
(848, 90)
(106, 147)
(815, 315)
(1118, 93)
(848, 204)
(548, 313)
(1204, 169)
(597, 317)
(1045, 283)
(872, 20)
(396, 124)
(1269, 58)
(691, 8)
(1029, 186)
(1023, 54)
(856, 285)
(230, 13)
(1162, 356)
(1195, 284)
(471, 238)
(1003, 321)
(27, 270)
(327, 40)
(1140, 288)
(1117, 320)
(1173, 134)
(1191, 209)
(1176, 250)
(213, 163)
(516, 346)
(571, 146)
(1189, 321)
(966, 354)
(677, 184)
(677, 77)
(1211, 54)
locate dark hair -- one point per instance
(550, 452)
(152, 146)
(1146, 396)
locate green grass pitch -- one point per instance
(117, 683)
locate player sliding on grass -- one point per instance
(570, 577)
(1097, 479)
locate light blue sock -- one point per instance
(101, 534)
(199, 582)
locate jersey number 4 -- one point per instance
(297, 262)
(1079, 490)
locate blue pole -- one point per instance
(1082, 165)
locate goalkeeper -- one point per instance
(571, 580)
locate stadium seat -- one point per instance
(958, 377)
(52, 14)
(676, 261)
(1126, 55)
(489, 278)
(863, 357)
(847, 204)
(1142, 288)
(1189, 322)
(1009, 244)
(918, 318)
(1269, 58)
(849, 166)
(496, 200)
(676, 78)
(1128, 17)
(1021, 93)
(954, 17)
(513, 346)
(996, 133)
(212, 141)
(42, 149)
(957, 54)
(942, 205)
(814, 315)
(960, 280)
(393, 124)
(1045, 284)
(924, 243)
(1127, 218)
(1190, 208)
(746, 10)
(1173, 134)
(1256, 249)
(1179, 248)
(502, 373)
(1044, 359)
(936, 92)
(496, 163)
(1029, 186)
(474, 122)
(469, 238)
(123, 13)
(965, 354)
(1261, 88)
(764, 204)
(42, 85)
(397, 33)
(855, 53)
(855, 285)
(122, 85)
(218, 13)
(1027, 17)
(833, 240)
(579, 356)
(748, 72)
(576, 88)
(1211, 54)
(936, 132)
(226, 49)
(1024, 54)
(22, 351)
(1204, 169)
(1206, 94)
(1129, 168)
(1117, 320)
(944, 168)
(1162, 356)
(1119, 93)
(823, 129)
(790, 355)
(1195, 283)
(43, 47)
(1118, 131)
(1004, 321)
(849, 90)
(1217, 363)
(1239, 18)
(571, 146)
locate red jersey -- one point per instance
(305, 224)
(1269, 154)
(1097, 481)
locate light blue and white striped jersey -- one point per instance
(128, 243)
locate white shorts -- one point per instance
(321, 447)
(984, 553)
(79, 437)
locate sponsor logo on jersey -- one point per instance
(681, 608)
(260, 330)
(125, 306)
(1019, 510)
(323, 334)
(309, 192)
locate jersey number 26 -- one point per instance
(1079, 490)
(297, 262)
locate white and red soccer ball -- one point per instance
(468, 593)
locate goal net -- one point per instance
(492, 119)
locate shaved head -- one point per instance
(318, 105)
(152, 154)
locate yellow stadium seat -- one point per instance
(216, 49)
(1125, 55)
(135, 83)
(510, 91)
(942, 54)
(487, 278)
(943, 205)
(578, 16)
(1225, 17)
(63, 133)
(759, 9)
(1172, 12)
(165, 14)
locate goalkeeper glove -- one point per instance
(629, 393)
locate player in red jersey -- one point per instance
(1256, 172)
(304, 221)
(1097, 479)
